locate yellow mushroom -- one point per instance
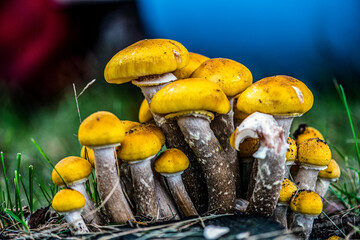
(326, 176)
(304, 132)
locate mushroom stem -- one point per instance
(306, 178)
(322, 186)
(219, 178)
(76, 223)
(89, 212)
(246, 166)
(126, 181)
(223, 127)
(109, 185)
(180, 195)
(144, 187)
(280, 213)
(302, 225)
(285, 123)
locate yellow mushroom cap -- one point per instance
(171, 161)
(190, 94)
(313, 152)
(331, 172)
(89, 155)
(129, 124)
(144, 112)
(67, 200)
(152, 128)
(247, 148)
(71, 169)
(101, 129)
(305, 132)
(138, 144)
(144, 58)
(288, 189)
(292, 151)
(195, 61)
(306, 202)
(231, 76)
(334, 237)
(277, 95)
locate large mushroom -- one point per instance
(269, 166)
(233, 78)
(191, 102)
(103, 131)
(75, 172)
(282, 96)
(326, 176)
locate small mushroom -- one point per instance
(75, 171)
(88, 154)
(288, 189)
(305, 206)
(145, 115)
(326, 176)
(191, 102)
(69, 203)
(304, 132)
(313, 155)
(195, 60)
(171, 163)
(103, 131)
(291, 155)
(269, 161)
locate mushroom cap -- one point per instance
(288, 189)
(313, 152)
(304, 132)
(72, 169)
(247, 148)
(100, 129)
(238, 115)
(154, 129)
(190, 94)
(291, 153)
(139, 144)
(278, 95)
(89, 155)
(306, 202)
(129, 124)
(231, 76)
(144, 112)
(144, 58)
(171, 161)
(195, 61)
(334, 237)
(331, 172)
(67, 200)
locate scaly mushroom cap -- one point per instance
(190, 95)
(288, 189)
(129, 124)
(331, 172)
(292, 151)
(304, 132)
(152, 128)
(89, 155)
(144, 58)
(306, 202)
(67, 200)
(138, 144)
(247, 147)
(72, 169)
(313, 152)
(144, 112)
(171, 161)
(231, 76)
(101, 129)
(195, 61)
(277, 95)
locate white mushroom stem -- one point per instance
(280, 213)
(285, 123)
(89, 212)
(180, 195)
(76, 223)
(322, 186)
(223, 127)
(269, 164)
(110, 189)
(218, 174)
(307, 176)
(302, 225)
(193, 176)
(144, 187)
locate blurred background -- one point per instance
(47, 45)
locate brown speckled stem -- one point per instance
(126, 182)
(144, 188)
(180, 195)
(280, 214)
(306, 178)
(219, 178)
(118, 209)
(302, 225)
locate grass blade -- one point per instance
(6, 181)
(31, 188)
(16, 218)
(18, 197)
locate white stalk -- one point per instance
(76, 223)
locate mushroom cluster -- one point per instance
(207, 140)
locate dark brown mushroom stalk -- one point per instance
(269, 161)
(191, 102)
(171, 163)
